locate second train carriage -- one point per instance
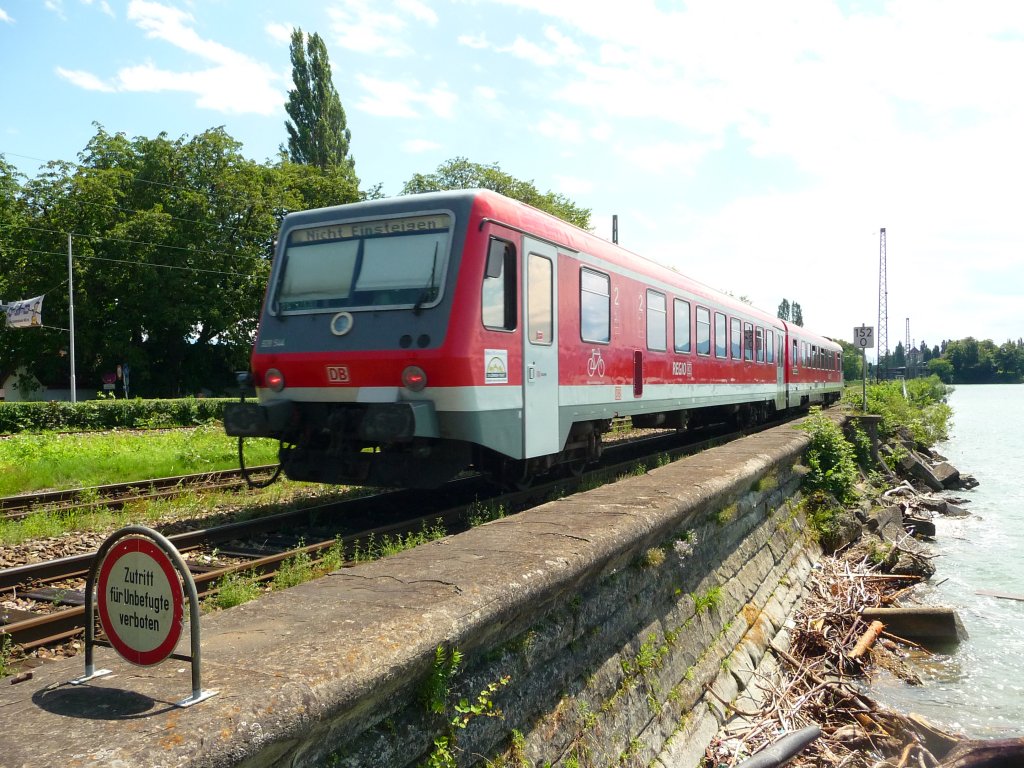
(404, 340)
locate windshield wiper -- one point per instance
(430, 291)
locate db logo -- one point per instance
(337, 374)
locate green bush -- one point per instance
(923, 412)
(830, 458)
(95, 415)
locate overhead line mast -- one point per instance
(883, 312)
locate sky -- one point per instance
(758, 147)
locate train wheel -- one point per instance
(515, 475)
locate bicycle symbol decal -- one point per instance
(595, 364)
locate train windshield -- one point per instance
(399, 262)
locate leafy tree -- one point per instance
(460, 173)
(899, 356)
(790, 312)
(941, 367)
(1009, 360)
(169, 242)
(318, 134)
(16, 275)
(853, 363)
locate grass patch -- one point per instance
(50, 460)
(279, 497)
(234, 589)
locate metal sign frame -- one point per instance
(195, 657)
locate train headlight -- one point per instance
(414, 378)
(274, 380)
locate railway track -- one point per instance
(117, 495)
(258, 545)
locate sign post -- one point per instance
(137, 581)
(864, 339)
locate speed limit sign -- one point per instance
(864, 337)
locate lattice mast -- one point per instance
(883, 311)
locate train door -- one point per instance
(540, 350)
(780, 371)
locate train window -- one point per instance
(721, 342)
(681, 319)
(814, 356)
(386, 263)
(759, 344)
(748, 341)
(498, 296)
(769, 345)
(737, 339)
(540, 309)
(595, 306)
(657, 314)
(703, 331)
(794, 358)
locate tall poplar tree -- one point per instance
(318, 134)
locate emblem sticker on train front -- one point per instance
(337, 374)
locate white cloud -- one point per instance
(235, 84)
(403, 99)
(535, 54)
(554, 125)
(103, 5)
(418, 146)
(477, 42)
(4, 16)
(418, 10)
(85, 80)
(359, 28)
(666, 157)
(279, 32)
(238, 90)
(57, 7)
(573, 187)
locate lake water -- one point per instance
(978, 688)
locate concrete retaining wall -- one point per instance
(597, 621)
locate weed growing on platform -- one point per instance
(234, 589)
(5, 655)
(374, 548)
(480, 513)
(296, 570)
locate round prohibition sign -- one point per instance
(140, 601)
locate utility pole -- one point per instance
(883, 312)
(71, 321)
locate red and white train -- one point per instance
(405, 340)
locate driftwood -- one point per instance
(819, 685)
(866, 640)
(1002, 595)
(997, 753)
